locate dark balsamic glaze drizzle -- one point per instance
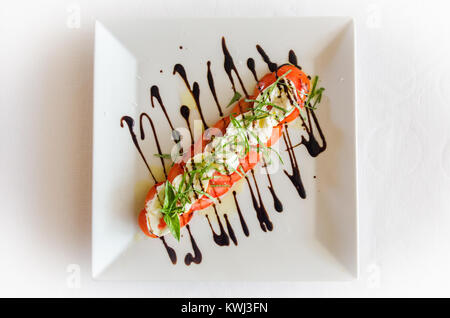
(276, 201)
(229, 66)
(258, 205)
(221, 239)
(194, 90)
(185, 112)
(295, 177)
(241, 218)
(197, 257)
(213, 88)
(154, 136)
(293, 59)
(251, 67)
(130, 124)
(170, 251)
(230, 230)
(311, 144)
(272, 66)
(154, 93)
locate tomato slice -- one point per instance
(296, 76)
(221, 184)
(142, 219)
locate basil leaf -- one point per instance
(170, 193)
(235, 98)
(173, 223)
(164, 155)
(205, 194)
(166, 196)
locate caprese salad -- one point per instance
(227, 151)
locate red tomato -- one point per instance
(142, 219)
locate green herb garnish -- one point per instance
(163, 155)
(315, 96)
(170, 210)
(235, 98)
(220, 185)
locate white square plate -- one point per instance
(312, 239)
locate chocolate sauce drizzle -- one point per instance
(197, 257)
(194, 90)
(222, 238)
(170, 251)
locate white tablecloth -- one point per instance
(403, 79)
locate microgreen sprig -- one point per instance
(315, 95)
